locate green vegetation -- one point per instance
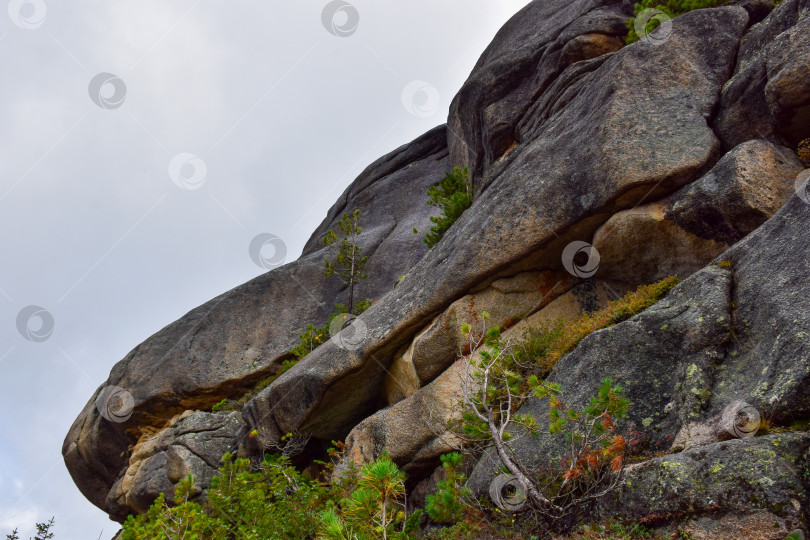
(272, 499)
(43, 532)
(348, 264)
(595, 449)
(275, 501)
(453, 195)
(506, 373)
(612, 531)
(374, 509)
(543, 347)
(446, 505)
(671, 8)
(313, 337)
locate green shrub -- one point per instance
(611, 530)
(220, 405)
(543, 347)
(672, 8)
(374, 509)
(447, 504)
(271, 502)
(43, 532)
(315, 336)
(274, 501)
(310, 339)
(506, 374)
(453, 195)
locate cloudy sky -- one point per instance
(144, 143)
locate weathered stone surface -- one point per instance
(525, 56)
(536, 199)
(415, 431)
(756, 488)
(641, 246)
(748, 186)
(587, 46)
(769, 94)
(223, 347)
(733, 332)
(506, 300)
(562, 127)
(193, 443)
(588, 296)
(682, 233)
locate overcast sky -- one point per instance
(129, 198)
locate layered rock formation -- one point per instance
(665, 157)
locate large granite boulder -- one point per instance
(193, 443)
(734, 333)
(417, 430)
(744, 488)
(536, 200)
(683, 232)
(222, 348)
(769, 94)
(566, 132)
(526, 55)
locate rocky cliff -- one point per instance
(674, 156)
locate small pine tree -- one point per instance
(348, 263)
(374, 509)
(446, 505)
(43, 532)
(670, 8)
(453, 195)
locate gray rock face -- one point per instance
(536, 198)
(733, 332)
(769, 94)
(192, 444)
(526, 55)
(683, 232)
(223, 347)
(664, 358)
(765, 478)
(563, 128)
